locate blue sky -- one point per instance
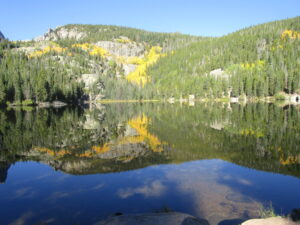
(21, 20)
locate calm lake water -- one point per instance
(220, 162)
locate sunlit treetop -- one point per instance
(291, 34)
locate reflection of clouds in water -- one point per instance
(213, 200)
(97, 187)
(43, 176)
(58, 195)
(50, 220)
(25, 192)
(239, 180)
(22, 219)
(244, 181)
(155, 189)
(63, 177)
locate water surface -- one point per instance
(216, 161)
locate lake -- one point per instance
(222, 162)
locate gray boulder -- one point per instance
(170, 218)
(270, 221)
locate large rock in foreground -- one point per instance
(270, 221)
(172, 218)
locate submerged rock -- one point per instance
(170, 218)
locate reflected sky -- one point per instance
(212, 189)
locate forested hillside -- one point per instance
(75, 62)
(93, 33)
(82, 62)
(258, 61)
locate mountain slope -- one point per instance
(258, 61)
(74, 33)
(76, 62)
(79, 62)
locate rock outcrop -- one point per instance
(129, 49)
(171, 218)
(270, 221)
(91, 81)
(61, 33)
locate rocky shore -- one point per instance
(177, 218)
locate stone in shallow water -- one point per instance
(171, 218)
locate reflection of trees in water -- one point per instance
(3, 171)
(261, 136)
(78, 141)
(128, 136)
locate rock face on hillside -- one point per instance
(61, 33)
(1, 36)
(129, 49)
(91, 82)
(119, 49)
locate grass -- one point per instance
(267, 211)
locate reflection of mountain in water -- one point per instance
(131, 150)
(106, 140)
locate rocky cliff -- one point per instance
(61, 33)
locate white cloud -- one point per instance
(22, 219)
(155, 189)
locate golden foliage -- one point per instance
(135, 60)
(251, 132)
(139, 76)
(92, 49)
(140, 125)
(290, 160)
(58, 153)
(291, 34)
(257, 64)
(53, 47)
(101, 149)
(62, 152)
